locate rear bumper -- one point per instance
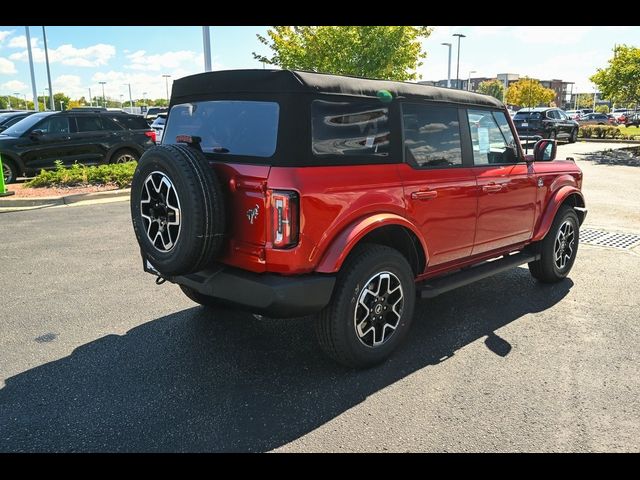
(263, 293)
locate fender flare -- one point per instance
(340, 247)
(556, 200)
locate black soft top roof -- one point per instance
(226, 82)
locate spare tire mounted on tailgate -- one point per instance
(177, 209)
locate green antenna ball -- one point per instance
(384, 96)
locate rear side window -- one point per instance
(350, 128)
(431, 135)
(88, 123)
(132, 122)
(491, 138)
(245, 128)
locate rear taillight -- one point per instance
(151, 135)
(284, 218)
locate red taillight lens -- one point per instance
(151, 135)
(284, 218)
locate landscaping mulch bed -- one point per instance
(22, 192)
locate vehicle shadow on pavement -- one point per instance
(190, 382)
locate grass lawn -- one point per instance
(630, 130)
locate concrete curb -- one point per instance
(607, 140)
(62, 200)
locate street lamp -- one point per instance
(130, 99)
(103, 100)
(449, 67)
(90, 98)
(144, 98)
(469, 80)
(44, 98)
(121, 100)
(61, 105)
(17, 94)
(166, 84)
(459, 35)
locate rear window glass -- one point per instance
(88, 124)
(246, 128)
(528, 116)
(350, 128)
(132, 122)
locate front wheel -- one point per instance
(574, 136)
(9, 171)
(558, 249)
(371, 308)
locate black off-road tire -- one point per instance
(546, 270)
(335, 325)
(202, 209)
(204, 300)
(10, 167)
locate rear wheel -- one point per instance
(558, 249)
(371, 308)
(124, 156)
(9, 171)
(574, 136)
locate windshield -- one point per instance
(528, 116)
(246, 128)
(25, 124)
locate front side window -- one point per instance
(54, 124)
(491, 138)
(246, 128)
(431, 135)
(359, 127)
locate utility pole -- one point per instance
(36, 106)
(46, 57)
(206, 41)
(90, 98)
(104, 104)
(166, 84)
(130, 98)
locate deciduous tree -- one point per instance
(528, 92)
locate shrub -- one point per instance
(119, 174)
(599, 131)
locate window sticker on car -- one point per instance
(370, 140)
(483, 139)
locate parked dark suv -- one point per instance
(545, 122)
(291, 193)
(90, 138)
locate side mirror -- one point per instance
(545, 150)
(35, 134)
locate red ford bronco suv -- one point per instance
(290, 193)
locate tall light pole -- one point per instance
(46, 57)
(144, 98)
(166, 84)
(44, 98)
(90, 98)
(9, 101)
(61, 105)
(459, 35)
(121, 100)
(36, 106)
(17, 94)
(103, 99)
(130, 99)
(449, 65)
(469, 80)
(206, 43)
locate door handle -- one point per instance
(492, 187)
(424, 195)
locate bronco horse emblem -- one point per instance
(252, 213)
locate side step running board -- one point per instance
(435, 286)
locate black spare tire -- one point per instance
(177, 209)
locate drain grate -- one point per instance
(602, 238)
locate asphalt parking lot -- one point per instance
(96, 357)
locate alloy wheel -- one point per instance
(563, 246)
(160, 210)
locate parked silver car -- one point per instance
(158, 126)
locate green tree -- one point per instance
(493, 88)
(61, 97)
(584, 100)
(602, 109)
(160, 102)
(385, 52)
(620, 81)
(528, 92)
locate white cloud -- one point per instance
(7, 66)
(13, 86)
(551, 34)
(4, 34)
(70, 85)
(154, 63)
(92, 56)
(21, 42)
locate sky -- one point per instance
(81, 57)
